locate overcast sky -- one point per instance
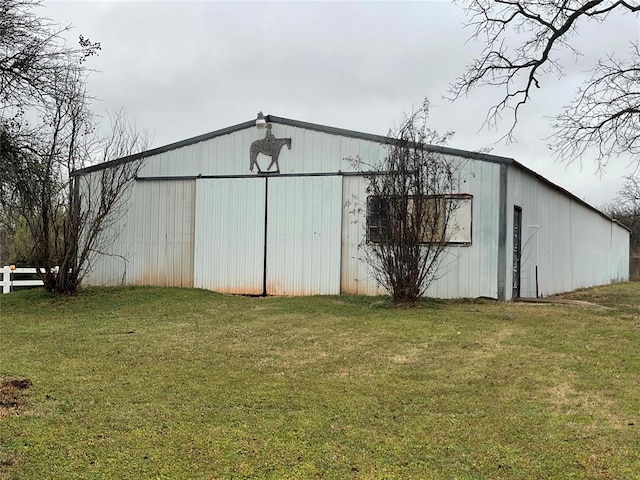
(186, 68)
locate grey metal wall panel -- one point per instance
(303, 235)
(153, 240)
(466, 271)
(571, 245)
(229, 239)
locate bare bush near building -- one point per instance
(408, 209)
(100, 197)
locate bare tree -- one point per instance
(33, 57)
(67, 216)
(522, 39)
(625, 208)
(47, 132)
(410, 201)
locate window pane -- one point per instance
(459, 227)
(431, 212)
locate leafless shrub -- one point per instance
(408, 208)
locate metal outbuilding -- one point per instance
(270, 211)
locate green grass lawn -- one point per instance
(170, 383)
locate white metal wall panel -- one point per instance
(466, 271)
(620, 239)
(311, 152)
(229, 239)
(303, 235)
(571, 245)
(356, 279)
(153, 240)
(472, 271)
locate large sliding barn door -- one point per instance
(300, 218)
(304, 219)
(229, 239)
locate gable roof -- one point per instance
(292, 123)
(334, 131)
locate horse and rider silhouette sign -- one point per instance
(269, 146)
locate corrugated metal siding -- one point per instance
(153, 240)
(229, 240)
(303, 235)
(572, 245)
(466, 271)
(620, 251)
(356, 278)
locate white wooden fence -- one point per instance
(8, 282)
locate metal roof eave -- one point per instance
(568, 193)
(385, 140)
(164, 148)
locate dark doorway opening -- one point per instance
(517, 250)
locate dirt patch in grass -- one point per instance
(11, 398)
